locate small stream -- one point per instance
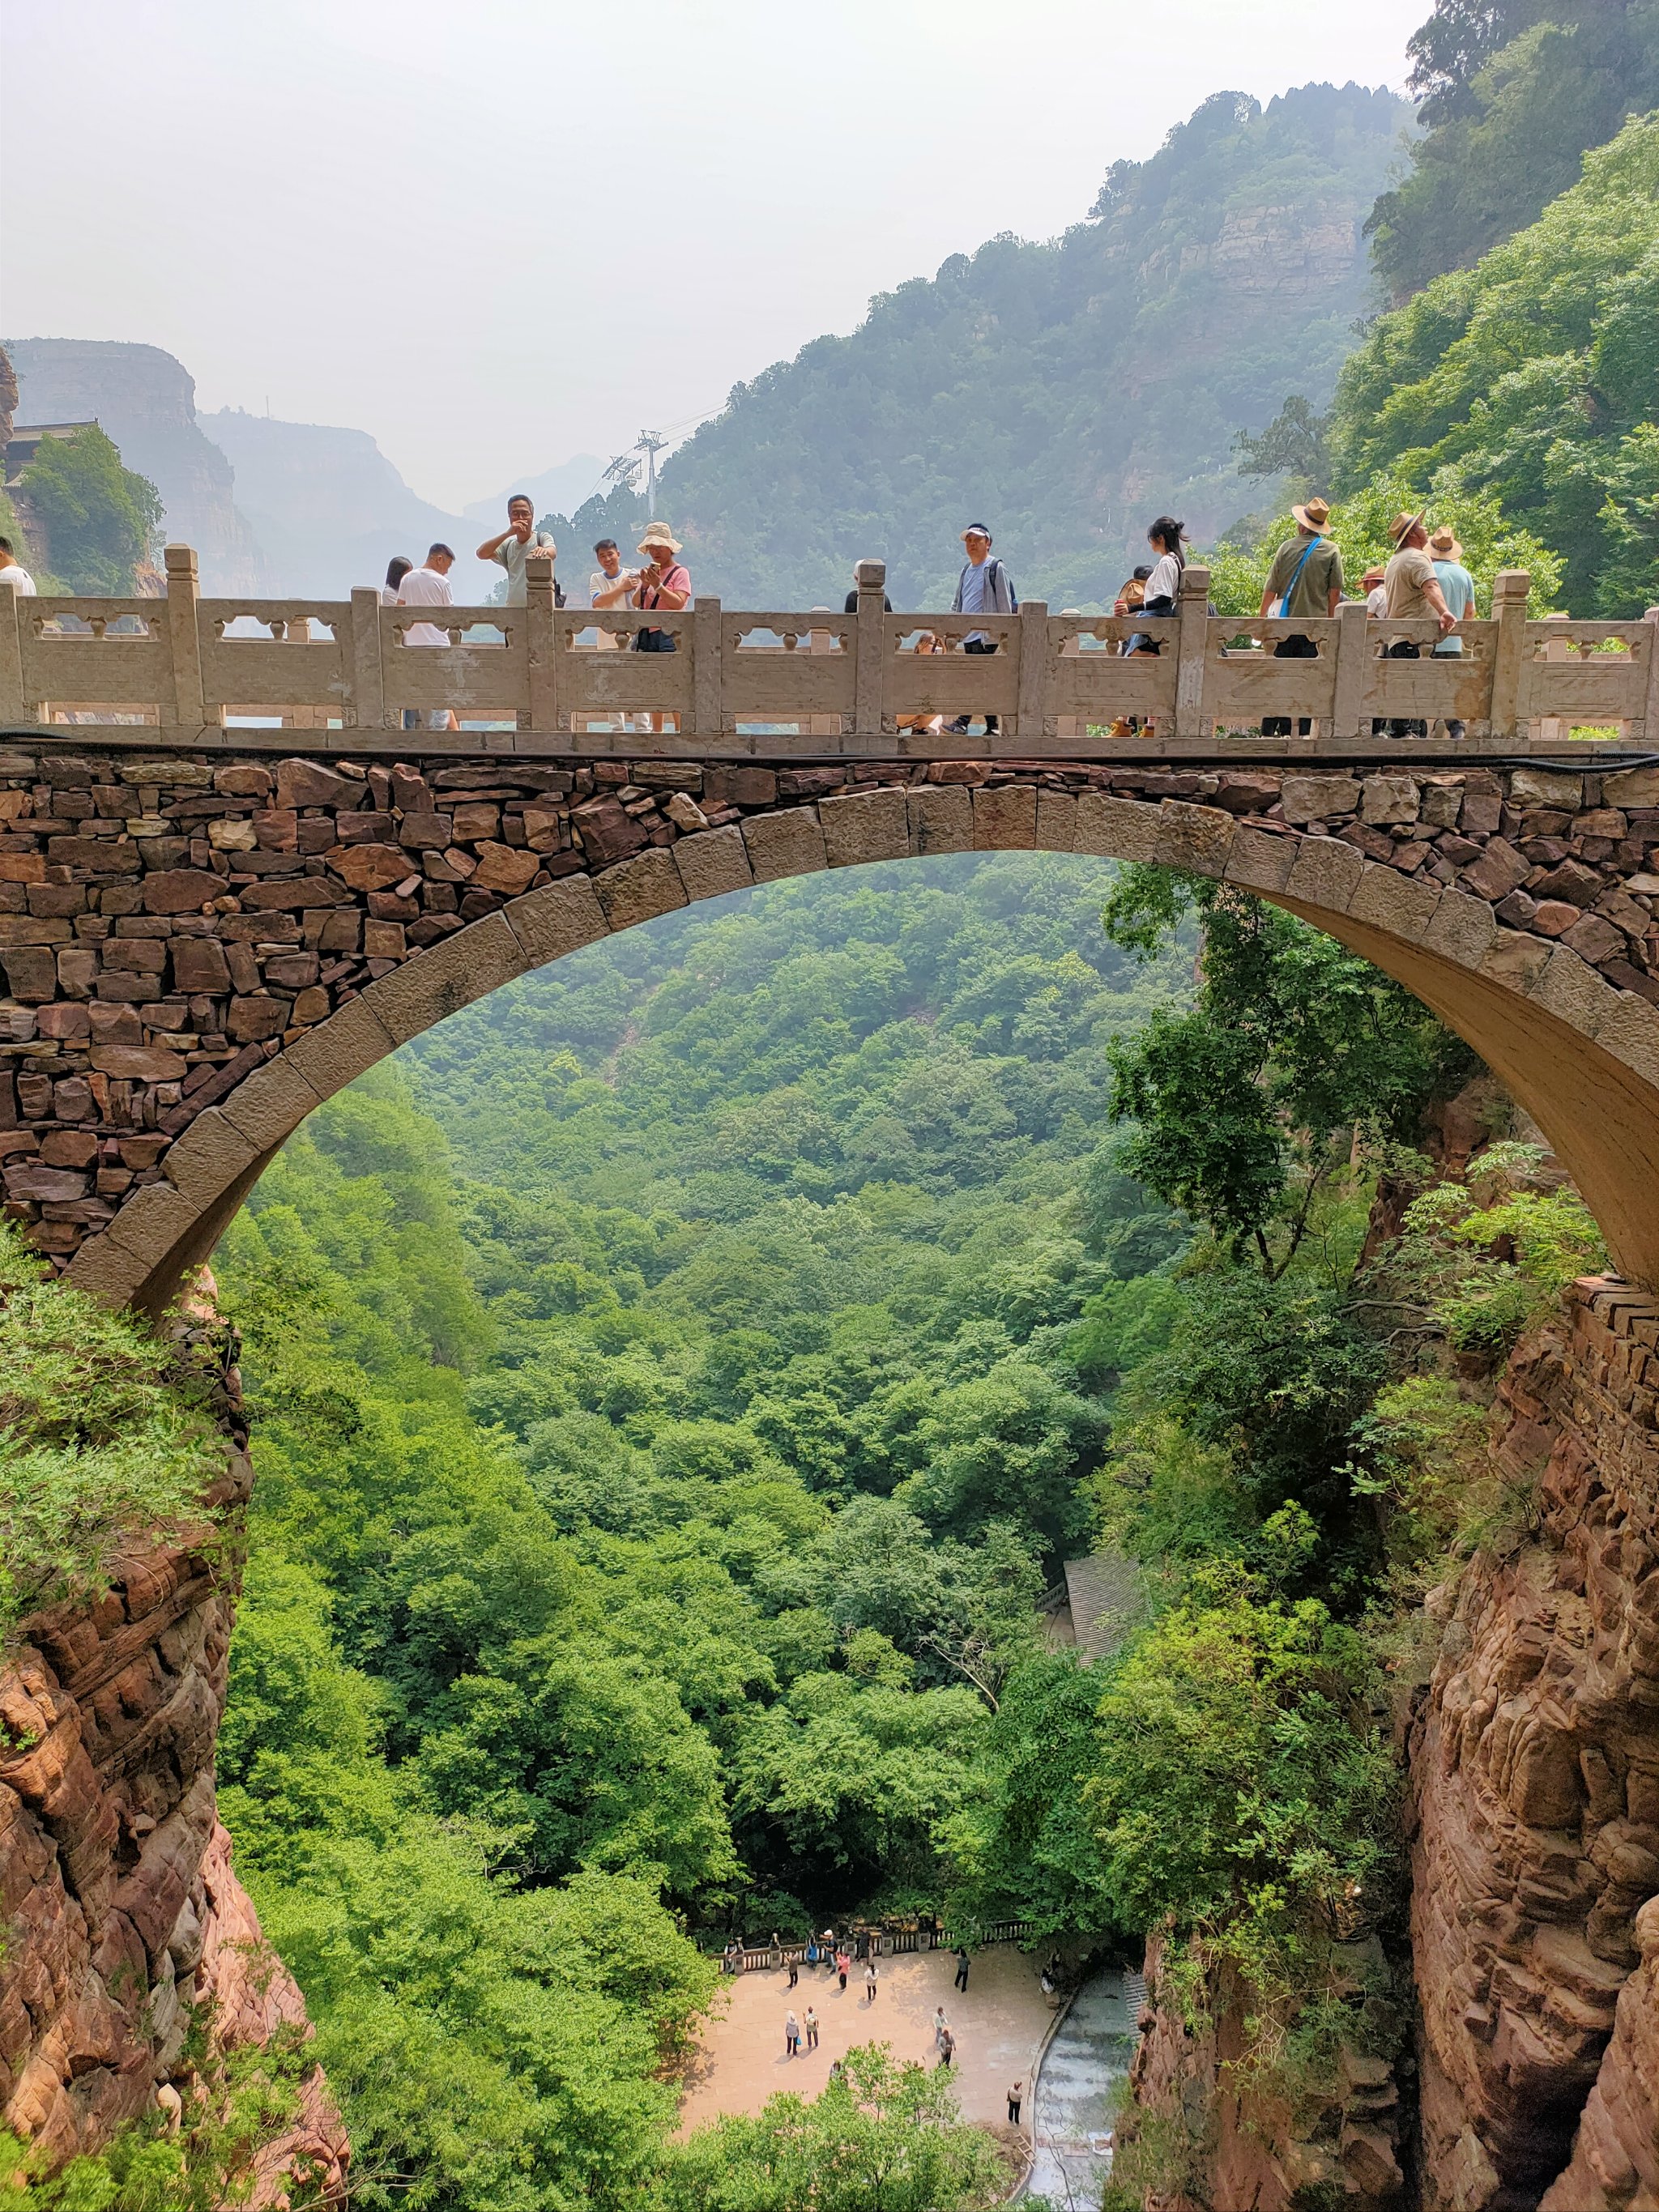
(1077, 2091)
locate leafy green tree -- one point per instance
(882, 2137)
(1519, 91)
(1530, 378)
(100, 519)
(1245, 1107)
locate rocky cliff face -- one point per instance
(1534, 1765)
(146, 401)
(122, 1918)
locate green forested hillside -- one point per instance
(1532, 377)
(1064, 393)
(674, 1382)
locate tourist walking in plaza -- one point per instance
(869, 1983)
(1457, 589)
(1411, 592)
(842, 1962)
(1305, 579)
(962, 1966)
(812, 2028)
(511, 548)
(795, 1972)
(12, 574)
(1015, 2090)
(428, 587)
(791, 2035)
(947, 2050)
(941, 2027)
(984, 587)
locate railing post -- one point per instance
(870, 674)
(14, 706)
(540, 694)
(1032, 694)
(184, 637)
(1552, 729)
(1353, 662)
(367, 689)
(707, 671)
(1192, 653)
(1508, 705)
(1644, 732)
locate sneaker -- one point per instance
(959, 727)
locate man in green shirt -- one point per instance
(1305, 579)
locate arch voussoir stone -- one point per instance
(181, 996)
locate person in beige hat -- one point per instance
(1457, 589)
(663, 585)
(1305, 579)
(1411, 592)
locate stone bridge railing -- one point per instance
(532, 679)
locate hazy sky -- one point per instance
(494, 232)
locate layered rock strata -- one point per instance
(122, 1916)
(1534, 1765)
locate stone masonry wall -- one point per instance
(169, 925)
(120, 1908)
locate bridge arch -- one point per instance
(1580, 1053)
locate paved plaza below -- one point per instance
(998, 2025)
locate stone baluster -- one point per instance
(184, 640)
(709, 717)
(1070, 725)
(1556, 729)
(365, 705)
(870, 644)
(1192, 719)
(1031, 691)
(819, 642)
(14, 706)
(541, 640)
(1510, 686)
(1644, 730)
(1354, 654)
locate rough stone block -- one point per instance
(1116, 829)
(338, 1050)
(1325, 874)
(1005, 820)
(208, 1159)
(1403, 905)
(638, 890)
(1515, 959)
(152, 1222)
(1630, 1031)
(181, 891)
(507, 868)
(1462, 929)
(867, 825)
(107, 1270)
(787, 844)
(140, 1063)
(1318, 797)
(1199, 838)
(1631, 787)
(1386, 798)
(447, 977)
(941, 819)
(713, 862)
(1546, 787)
(557, 919)
(1056, 822)
(1261, 861)
(270, 1104)
(308, 783)
(1569, 989)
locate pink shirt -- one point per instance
(677, 580)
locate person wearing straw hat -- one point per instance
(1412, 593)
(1457, 589)
(1305, 579)
(663, 585)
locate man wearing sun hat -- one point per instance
(1412, 593)
(1305, 579)
(1457, 589)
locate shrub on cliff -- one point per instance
(102, 1440)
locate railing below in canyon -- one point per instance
(539, 679)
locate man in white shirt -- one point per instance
(610, 585)
(982, 588)
(428, 587)
(13, 574)
(514, 545)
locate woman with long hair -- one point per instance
(1166, 538)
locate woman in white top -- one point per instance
(396, 569)
(1166, 538)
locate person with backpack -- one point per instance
(984, 587)
(1305, 579)
(511, 548)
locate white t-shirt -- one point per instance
(425, 587)
(1165, 582)
(597, 582)
(512, 556)
(20, 581)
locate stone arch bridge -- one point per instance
(207, 929)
